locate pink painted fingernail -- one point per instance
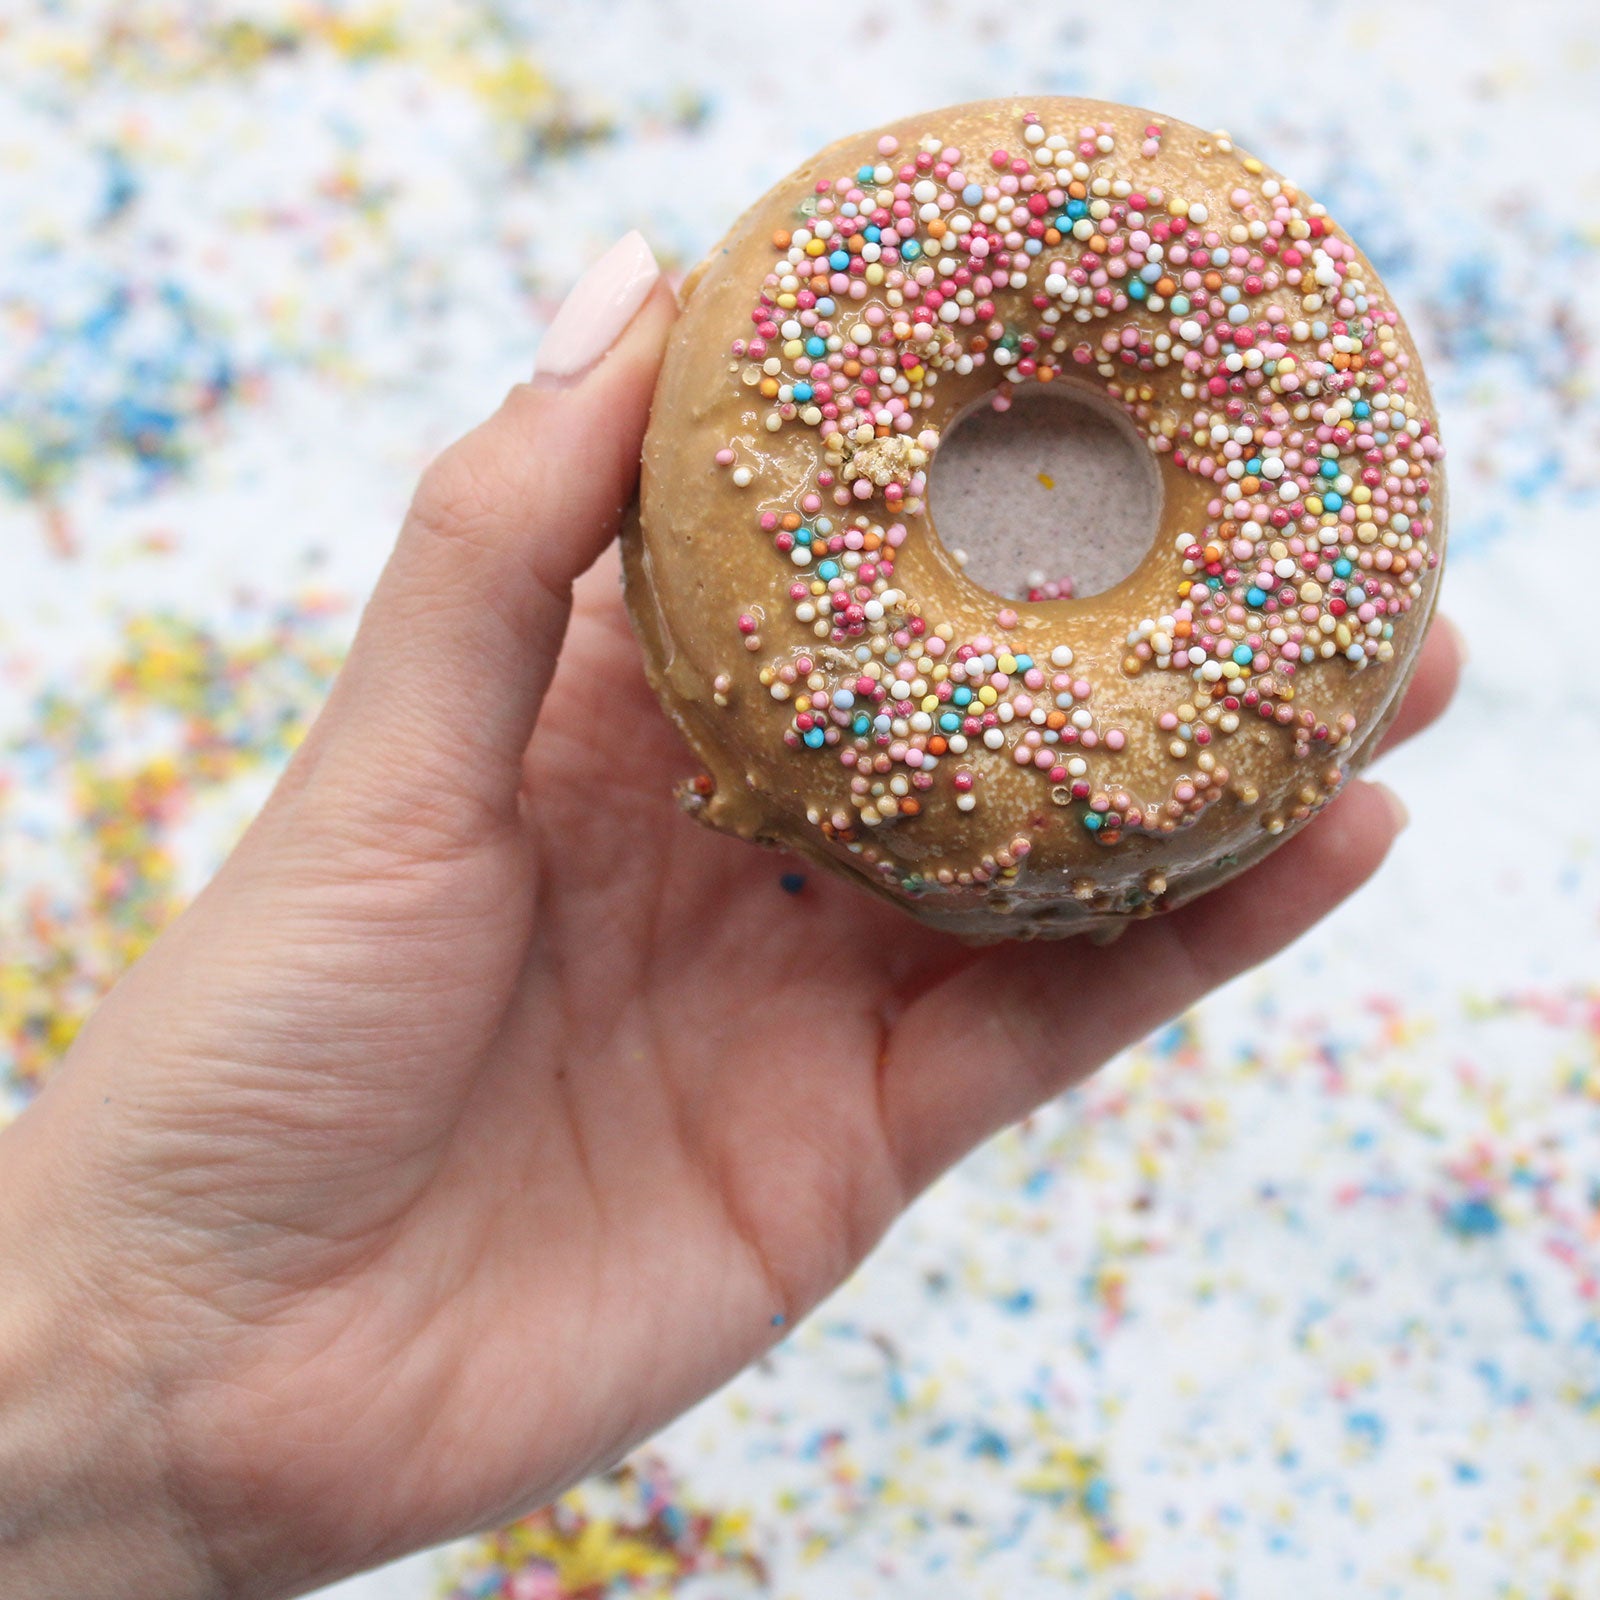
(602, 303)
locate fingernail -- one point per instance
(602, 303)
(1398, 813)
(1458, 636)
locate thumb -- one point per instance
(435, 705)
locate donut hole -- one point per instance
(1056, 496)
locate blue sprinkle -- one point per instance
(1093, 821)
(1362, 409)
(1329, 469)
(973, 194)
(962, 696)
(839, 260)
(1137, 290)
(816, 347)
(873, 233)
(950, 722)
(1243, 654)
(1472, 1219)
(813, 738)
(827, 569)
(1255, 597)
(910, 250)
(1332, 500)
(803, 391)
(1368, 1427)
(1343, 567)
(792, 882)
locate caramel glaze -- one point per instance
(696, 559)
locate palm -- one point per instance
(678, 1106)
(703, 1100)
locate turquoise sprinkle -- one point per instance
(1179, 305)
(910, 250)
(816, 347)
(1343, 567)
(803, 391)
(802, 536)
(1329, 469)
(813, 738)
(1253, 467)
(950, 722)
(839, 260)
(827, 569)
(864, 174)
(1138, 289)
(1077, 209)
(861, 724)
(1093, 821)
(962, 696)
(1243, 655)
(1332, 500)
(874, 233)
(1024, 663)
(1362, 409)
(1256, 597)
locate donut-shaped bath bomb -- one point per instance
(1013, 768)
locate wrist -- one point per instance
(86, 1500)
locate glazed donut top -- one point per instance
(853, 693)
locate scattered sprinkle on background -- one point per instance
(1298, 1298)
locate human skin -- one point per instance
(482, 1113)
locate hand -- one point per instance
(483, 1113)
